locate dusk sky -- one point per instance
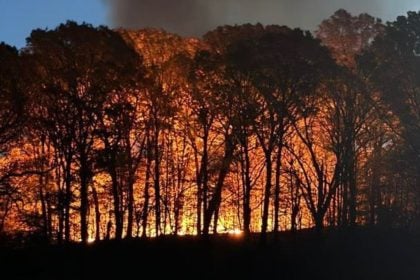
(187, 17)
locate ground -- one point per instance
(347, 254)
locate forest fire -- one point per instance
(111, 134)
(255, 150)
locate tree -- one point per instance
(347, 36)
(202, 117)
(284, 66)
(79, 67)
(391, 66)
(349, 116)
(318, 170)
(11, 93)
(120, 130)
(12, 117)
(214, 108)
(164, 55)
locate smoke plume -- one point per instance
(195, 17)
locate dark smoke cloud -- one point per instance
(195, 17)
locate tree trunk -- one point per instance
(267, 193)
(42, 185)
(277, 191)
(205, 176)
(157, 182)
(44, 212)
(339, 198)
(246, 188)
(215, 220)
(177, 209)
(130, 189)
(97, 215)
(295, 197)
(146, 188)
(60, 202)
(116, 198)
(49, 217)
(130, 208)
(294, 214)
(345, 205)
(67, 199)
(198, 209)
(84, 202)
(319, 221)
(374, 184)
(214, 203)
(352, 187)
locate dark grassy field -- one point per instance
(356, 254)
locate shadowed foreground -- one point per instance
(360, 254)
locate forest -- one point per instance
(117, 134)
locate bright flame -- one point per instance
(236, 232)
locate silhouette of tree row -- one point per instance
(111, 134)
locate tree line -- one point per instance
(126, 133)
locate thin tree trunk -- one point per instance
(116, 199)
(215, 220)
(44, 213)
(130, 208)
(374, 185)
(60, 202)
(267, 193)
(205, 176)
(199, 203)
(352, 187)
(177, 208)
(97, 215)
(67, 199)
(247, 188)
(277, 191)
(345, 204)
(157, 182)
(146, 187)
(84, 202)
(42, 183)
(130, 189)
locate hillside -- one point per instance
(359, 254)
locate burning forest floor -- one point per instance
(352, 254)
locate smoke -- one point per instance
(195, 17)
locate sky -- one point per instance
(186, 17)
(19, 17)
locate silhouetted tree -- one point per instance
(12, 105)
(217, 108)
(284, 66)
(347, 36)
(79, 67)
(390, 66)
(160, 49)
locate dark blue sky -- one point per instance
(19, 17)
